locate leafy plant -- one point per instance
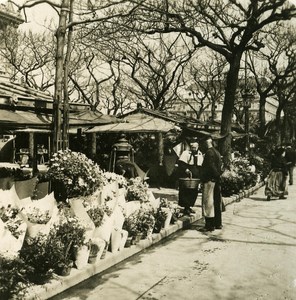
(231, 183)
(37, 253)
(160, 217)
(12, 220)
(77, 174)
(13, 278)
(137, 190)
(145, 221)
(96, 213)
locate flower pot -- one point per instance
(64, 270)
(128, 242)
(137, 238)
(167, 221)
(104, 251)
(81, 257)
(93, 254)
(124, 235)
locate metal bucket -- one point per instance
(189, 183)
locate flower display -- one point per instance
(95, 212)
(75, 172)
(12, 220)
(37, 216)
(111, 177)
(137, 190)
(231, 183)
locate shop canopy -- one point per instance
(137, 122)
(20, 119)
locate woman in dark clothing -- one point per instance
(276, 181)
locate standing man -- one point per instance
(290, 159)
(189, 165)
(211, 194)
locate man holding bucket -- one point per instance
(189, 164)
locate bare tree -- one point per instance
(272, 66)
(227, 27)
(30, 56)
(204, 79)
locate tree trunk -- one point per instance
(226, 122)
(262, 119)
(59, 77)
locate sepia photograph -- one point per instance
(147, 149)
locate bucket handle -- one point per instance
(188, 172)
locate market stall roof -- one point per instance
(178, 119)
(89, 118)
(136, 122)
(19, 119)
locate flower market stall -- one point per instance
(91, 213)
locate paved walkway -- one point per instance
(253, 257)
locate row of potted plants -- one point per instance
(79, 229)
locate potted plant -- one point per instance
(73, 174)
(137, 190)
(145, 222)
(160, 217)
(13, 278)
(130, 225)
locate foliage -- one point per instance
(130, 224)
(242, 167)
(70, 232)
(160, 217)
(111, 177)
(13, 278)
(12, 220)
(262, 165)
(95, 212)
(37, 253)
(37, 215)
(231, 183)
(145, 221)
(78, 174)
(137, 190)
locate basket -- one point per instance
(189, 183)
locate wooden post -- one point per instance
(160, 148)
(93, 147)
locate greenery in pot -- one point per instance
(74, 174)
(46, 255)
(160, 217)
(39, 255)
(242, 167)
(113, 177)
(70, 232)
(137, 190)
(231, 183)
(95, 212)
(13, 278)
(130, 224)
(145, 221)
(12, 220)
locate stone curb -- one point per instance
(60, 284)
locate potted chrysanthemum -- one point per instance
(73, 174)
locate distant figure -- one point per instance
(276, 180)
(211, 194)
(291, 160)
(189, 165)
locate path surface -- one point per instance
(253, 257)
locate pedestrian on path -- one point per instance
(211, 193)
(189, 165)
(276, 181)
(291, 160)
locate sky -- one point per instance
(43, 12)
